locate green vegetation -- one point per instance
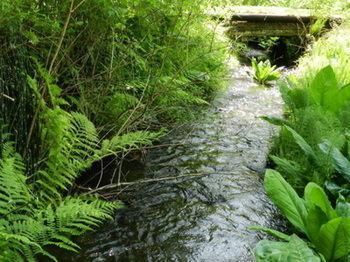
(263, 72)
(82, 81)
(327, 229)
(317, 110)
(312, 154)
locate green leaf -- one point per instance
(334, 239)
(336, 189)
(271, 232)
(274, 120)
(296, 250)
(286, 199)
(342, 207)
(302, 143)
(314, 221)
(315, 195)
(323, 86)
(339, 161)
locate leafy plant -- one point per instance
(268, 42)
(327, 229)
(324, 91)
(263, 72)
(311, 165)
(317, 27)
(295, 249)
(340, 182)
(37, 209)
(31, 220)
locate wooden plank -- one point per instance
(266, 13)
(228, 11)
(272, 18)
(266, 29)
(256, 21)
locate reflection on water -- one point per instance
(200, 218)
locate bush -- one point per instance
(75, 71)
(158, 55)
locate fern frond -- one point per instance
(73, 148)
(14, 194)
(129, 141)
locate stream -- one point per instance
(200, 218)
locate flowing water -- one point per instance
(202, 218)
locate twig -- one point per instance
(101, 175)
(8, 97)
(113, 186)
(63, 34)
(120, 168)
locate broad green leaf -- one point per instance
(271, 232)
(343, 207)
(336, 189)
(339, 161)
(314, 221)
(334, 239)
(315, 195)
(296, 250)
(286, 199)
(302, 143)
(323, 87)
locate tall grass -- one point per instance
(126, 65)
(80, 81)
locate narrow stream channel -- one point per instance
(200, 218)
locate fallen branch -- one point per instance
(114, 186)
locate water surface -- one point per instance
(200, 218)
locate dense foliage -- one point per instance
(80, 81)
(312, 154)
(327, 229)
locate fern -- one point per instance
(129, 141)
(30, 225)
(35, 215)
(72, 148)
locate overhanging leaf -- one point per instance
(334, 239)
(339, 161)
(295, 250)
(274, 120)
(271, 232)
(286, 199)
(302, 143)
(314, 195)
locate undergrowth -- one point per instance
(312, 154)
(317, 107)
(82, 81)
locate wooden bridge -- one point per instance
(257, 21)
